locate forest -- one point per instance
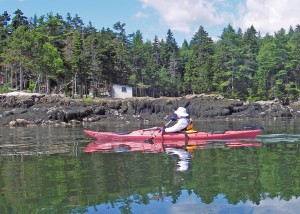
(56, 54)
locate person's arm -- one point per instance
(181, 124)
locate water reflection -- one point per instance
(182, 156)
(181, 151)
(274, 138)
(49, 170)
(36, 140)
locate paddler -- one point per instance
(184, 122)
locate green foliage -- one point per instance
(65, 53)
(51, 62)
(88, 100)
(31, 87)
(4, 89)
(199, 73)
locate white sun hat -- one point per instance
(181, 112)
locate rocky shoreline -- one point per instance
(25, 109)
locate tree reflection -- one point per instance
(120, 180)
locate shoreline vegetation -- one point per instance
(51, 53)
(27, 109)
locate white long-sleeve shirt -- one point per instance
(182, 123)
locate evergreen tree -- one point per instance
(267, 62)
(199, 75)
(5, 30)
(185, 54)
(91, 55)
(169, 49)
(248, 69)
(228, 60)
(51, 63)
(281, 76)
(77, 60)
(245, 66)
(19, 20)
(17, 54)
(106, 56)
(121, 44)
(138, 61)
(292, 65)
(154, 64)
(170, 61)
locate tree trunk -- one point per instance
(86, 89)
(81, 89)
(47, 85)
(11, 77)
(72, 95)
(21, 78)
(37, 85)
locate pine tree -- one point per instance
(248, 69)
(19, 20)
(267, 68)
(121, 54)
(227, 63)
(199, 75)
(292, 65)
(18, 55)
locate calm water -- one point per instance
(46, 170)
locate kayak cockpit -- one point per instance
(122, 133)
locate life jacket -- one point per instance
(189, 128)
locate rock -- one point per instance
(7, 113)
(12, 123)
(19, 122)
(99, 110)
(19, 111)
(225, 112)
(22, 122)
(57, 109)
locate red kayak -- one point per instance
(156, 134)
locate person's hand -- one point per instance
(174, 118)
(162, 129)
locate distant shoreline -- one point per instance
(24, 109)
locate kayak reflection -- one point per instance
(121, 146)
(180, 150)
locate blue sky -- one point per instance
(183, 17)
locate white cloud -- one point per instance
(191, 205)
(276, 205)
(141, 15)
(269, 16)
(185, 16)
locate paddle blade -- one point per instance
(187, 104)
(150, 141)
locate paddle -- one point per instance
(150, 140)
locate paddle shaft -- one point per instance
(160, 128)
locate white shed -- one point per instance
(121, 91)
